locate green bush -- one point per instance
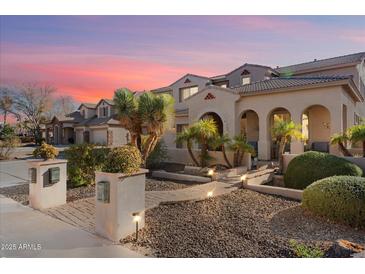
(304, 251)
(45, 152)
(312, 166)
(83, 160)
(125, 159)
(158, 156)
(340, 198)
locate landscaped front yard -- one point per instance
(240, 224)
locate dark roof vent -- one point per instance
(315, 60)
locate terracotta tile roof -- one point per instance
(182, 111)
(322, 63)
(289, 82)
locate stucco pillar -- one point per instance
(264, 138)
(335, 126)
(296, 146)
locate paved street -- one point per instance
(13, 172)
(25, 232)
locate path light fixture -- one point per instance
(210, 194)
(210, 172)
(244, 178)
(136, 219)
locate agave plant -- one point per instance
(148, 111)
(340, 140)
(284, 131)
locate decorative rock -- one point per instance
(344, 249)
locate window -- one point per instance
(179, 129)
(357, 119)
(103, 111)
(245, 80)
(187, 92)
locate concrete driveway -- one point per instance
(25, 232)
(13, 172)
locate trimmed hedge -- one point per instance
(83, 160)
(125, 159)
(340, 198)
(312, 166)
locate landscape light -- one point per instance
(210, 172)
(136, 219)
(210, 194)
(244, 178)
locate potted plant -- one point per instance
(120, 193)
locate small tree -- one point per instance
(8, 141)
(148, 112)
(340, 140)
(357, 134)
(284, 131)
(220, 142)
(240, 146)
(187, 135)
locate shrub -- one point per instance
(157, 156)
(125, 159)
(340, 198)
(45, 152)
(83, 160)
(312, 166)
(8, 141)
(304, 251)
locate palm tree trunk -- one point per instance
(192, 154)
(5, 116)
(363, 148)
(203, 153)
(225, 157)
(281, 152)
(344, 150)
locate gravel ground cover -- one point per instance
(165, 185)
(239, 224)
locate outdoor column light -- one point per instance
(136, 219)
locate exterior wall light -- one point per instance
(136, 219)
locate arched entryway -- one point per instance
(276, 114)
(249, 127)
(217, 120)
(316, 128)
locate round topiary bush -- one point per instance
(125, 159)
(340, 198)
(312, 166)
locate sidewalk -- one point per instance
(31, 233)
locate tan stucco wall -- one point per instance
(251, 123)
(98, 136)
(119, 136)
(319, 124)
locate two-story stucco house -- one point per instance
(324, 96)
(91, 123)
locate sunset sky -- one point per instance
(88, 57)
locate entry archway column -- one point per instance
(296, 146)
(264, 137)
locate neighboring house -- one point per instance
(324, 96)
(91, 123)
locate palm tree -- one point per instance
(148, 111)
(340, 140)
(154, 111)
(201, 132)
(220, 141)
(240, 146)
(284, 131)
(126, 105)
(187, 135)
(357, 134)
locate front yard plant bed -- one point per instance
(238, 224)
(166, 185)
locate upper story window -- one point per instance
(103, 111)
(245, 77)
(187, 92)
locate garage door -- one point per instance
(99, 136)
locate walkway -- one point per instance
(81, 213)
(29, 233)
